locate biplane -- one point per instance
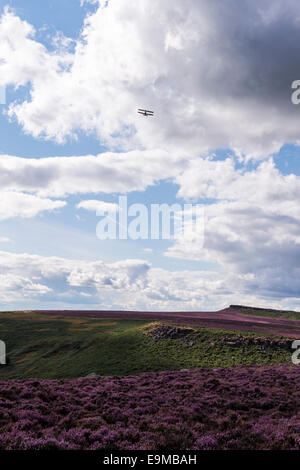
(145, 112)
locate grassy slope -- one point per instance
(270, 313)
(53, 347)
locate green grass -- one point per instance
(61, 347)
(269, 313)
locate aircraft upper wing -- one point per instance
(145, 111)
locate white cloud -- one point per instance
(97, 206)
(104, 173)
(53, 278)
(16, 204)
(24, 60)
(213, 78)
(51, 282)
(221, 180)
(5, 240)
(136, 170)
(17, 288)
(252, 225)
(82, 2)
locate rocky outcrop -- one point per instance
(188, 336)
(172, 332)
(263, 343)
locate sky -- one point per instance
(225, 135)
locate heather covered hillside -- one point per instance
(239, 318)
(238, 408)
(77, 382)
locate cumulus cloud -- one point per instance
(252, 225)
(30, 280)
(50, 278)
(197, 178)
(22, 58)
(221, 180)
(252, 221)
(17, 204)
(5, 240)
(18, 288)
(215, 79)
(97, 206)
(104, 173)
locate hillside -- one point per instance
(237, 319)
(205, 409)
(266, 312)
(47, 346)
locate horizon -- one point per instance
(250, 307)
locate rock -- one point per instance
(171, 332)
(262, 343)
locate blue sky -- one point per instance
(73, 84)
